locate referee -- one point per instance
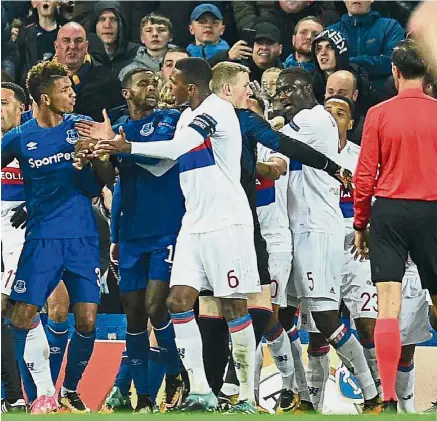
(398, 165)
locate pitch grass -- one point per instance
(214, 417)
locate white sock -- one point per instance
(300, 377)
(405, 382)
(370, 355)
(243, 352)
(189, 344)
(351, 353)
(259, 360)
(280, 348)
(318, 375)
(36, 356)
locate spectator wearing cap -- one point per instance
(283, 13)
(108, 23)
(206, 25)
(95, 87)
(304, 33)
(156, 34)
(371, 39)
(331, 53)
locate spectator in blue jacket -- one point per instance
(206, 25)
(371, 39)
(304, 33)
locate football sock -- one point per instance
(57, 336)
(405, 383)
(166, 340)
(137, 346)
(318, 374)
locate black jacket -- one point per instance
(126, 51)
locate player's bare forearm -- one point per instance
(104, 171)
(271, 170)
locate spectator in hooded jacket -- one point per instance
(331, 53)
(156, 34)
(371, 39)
(304, 33)
(110, 26)
(206, 25)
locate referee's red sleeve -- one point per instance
(367, 168)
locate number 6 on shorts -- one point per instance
(233, 281)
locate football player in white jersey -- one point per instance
(317, 229)
(357, 290)
(215, 247)
(13, 100)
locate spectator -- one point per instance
(207, 27)
(16, 25)
(172, 56)
(9, 50)
(36, 41)
(331, 53)
(284, 13)
(66, 9)
(268, 84)
(344, 83)
(304, 33)
(371, 39)
(267, 50)
(95, 87)
(110, 26)
(156, 33)
(430, 84)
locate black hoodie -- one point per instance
(125, 52)
(367, 96)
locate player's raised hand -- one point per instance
(118, 144)
(94, 129)
(82, 159)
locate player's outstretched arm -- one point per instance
(272, 169)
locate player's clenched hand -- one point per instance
(19, 218)
(113, 253)
(344, 176)
(94, 129)
(361, 245)
(118, 144)
(82, 159)
(240, 51)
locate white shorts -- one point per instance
(317, 264)
(280, 268)
(308, 305)
(222, 261)
(357, 290)
(12, 244)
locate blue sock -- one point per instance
(137, 345)
(166, 340)
(157, 368)
(57, 335)
(20, 343)
(124, 376)
(79, 353)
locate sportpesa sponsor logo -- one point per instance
(48, 160)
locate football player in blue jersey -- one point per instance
(152, 207)
(61, 236)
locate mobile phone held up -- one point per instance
(248, 35)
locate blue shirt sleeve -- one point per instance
(10, 146)
(260, 130)
(116, 213)
(88, 182)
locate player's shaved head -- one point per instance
(293, 74)
(342, 83)
(195, 71)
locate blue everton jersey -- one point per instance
(58, 197)
(150, 205)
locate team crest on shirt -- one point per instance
(20, 287)
(147, 129)
(72, 136)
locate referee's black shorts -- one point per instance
(399, 227)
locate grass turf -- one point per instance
(213, 417)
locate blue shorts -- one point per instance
(45, 262)
(143, 259)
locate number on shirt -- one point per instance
(11, 275)
(274, 287)
(310, 280)
(169, 259)
(233, 281)
(367, 297)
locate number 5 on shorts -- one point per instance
(310, 280)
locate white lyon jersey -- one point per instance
(313, 195)
(209, 167)
(271, 205)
